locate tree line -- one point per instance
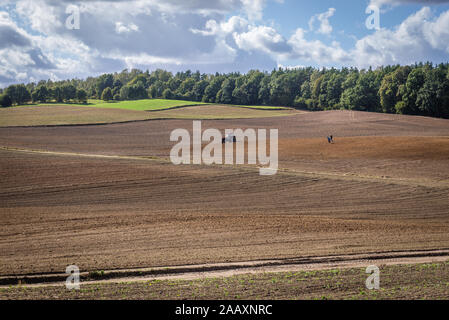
(420, 89)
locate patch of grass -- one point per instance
(98, 274)
(146, 105)
(137, 105)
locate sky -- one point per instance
(61, 39)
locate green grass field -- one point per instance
(148, 104)
(137, 105)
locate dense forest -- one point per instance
(420, 89)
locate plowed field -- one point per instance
(382, 187)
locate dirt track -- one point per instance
(109, 213)
(222, 270)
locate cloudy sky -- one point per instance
(38, 41)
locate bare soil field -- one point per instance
(151, 138)
(65, 115)
(382, 187)
(368, 144)
(411, 160)
(221, 112)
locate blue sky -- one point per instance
(348, 21)
(213, 36)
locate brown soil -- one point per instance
(220, 112)
(65, 115)
(359, 195)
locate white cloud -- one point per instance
(120, 27)
(420, 37)
(437, 32)
(234, 24)
(254, 9)
(19, 53)
(115, 34)
(417, 38)
(262, 38)
(42, 16)
(145, 59)
(212, 27)
(291, 67)
(381, 3)
(179, 34)
(323, 19)
(316, 50)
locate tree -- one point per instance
(5, 101)
(18, 94)
(156, 89)
(139, 78)
(137, 91)
(163, 75)
(68, 92)
(364, 95)
(198, 89)
(152, 92)
(348, 99)
(367, 92)
(300, 102)
(210, 93)
(225, 93)
(124, 93)
(57, 94)
(107, 94)
(433, 98)
(240, 96)
(174, 84)
(24, 94)
(417, 89)
(167, 94)
(103, 82)
(415, 81)
(41, 94)
(264, 90)
(252, 86)
(116, 90)
(186, 86)
(388, 94)
(389, 90)
(283, 89)
(81, 95)
(334, 90)
(117, 84)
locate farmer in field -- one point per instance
(330, 139)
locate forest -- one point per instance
(419, 89)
